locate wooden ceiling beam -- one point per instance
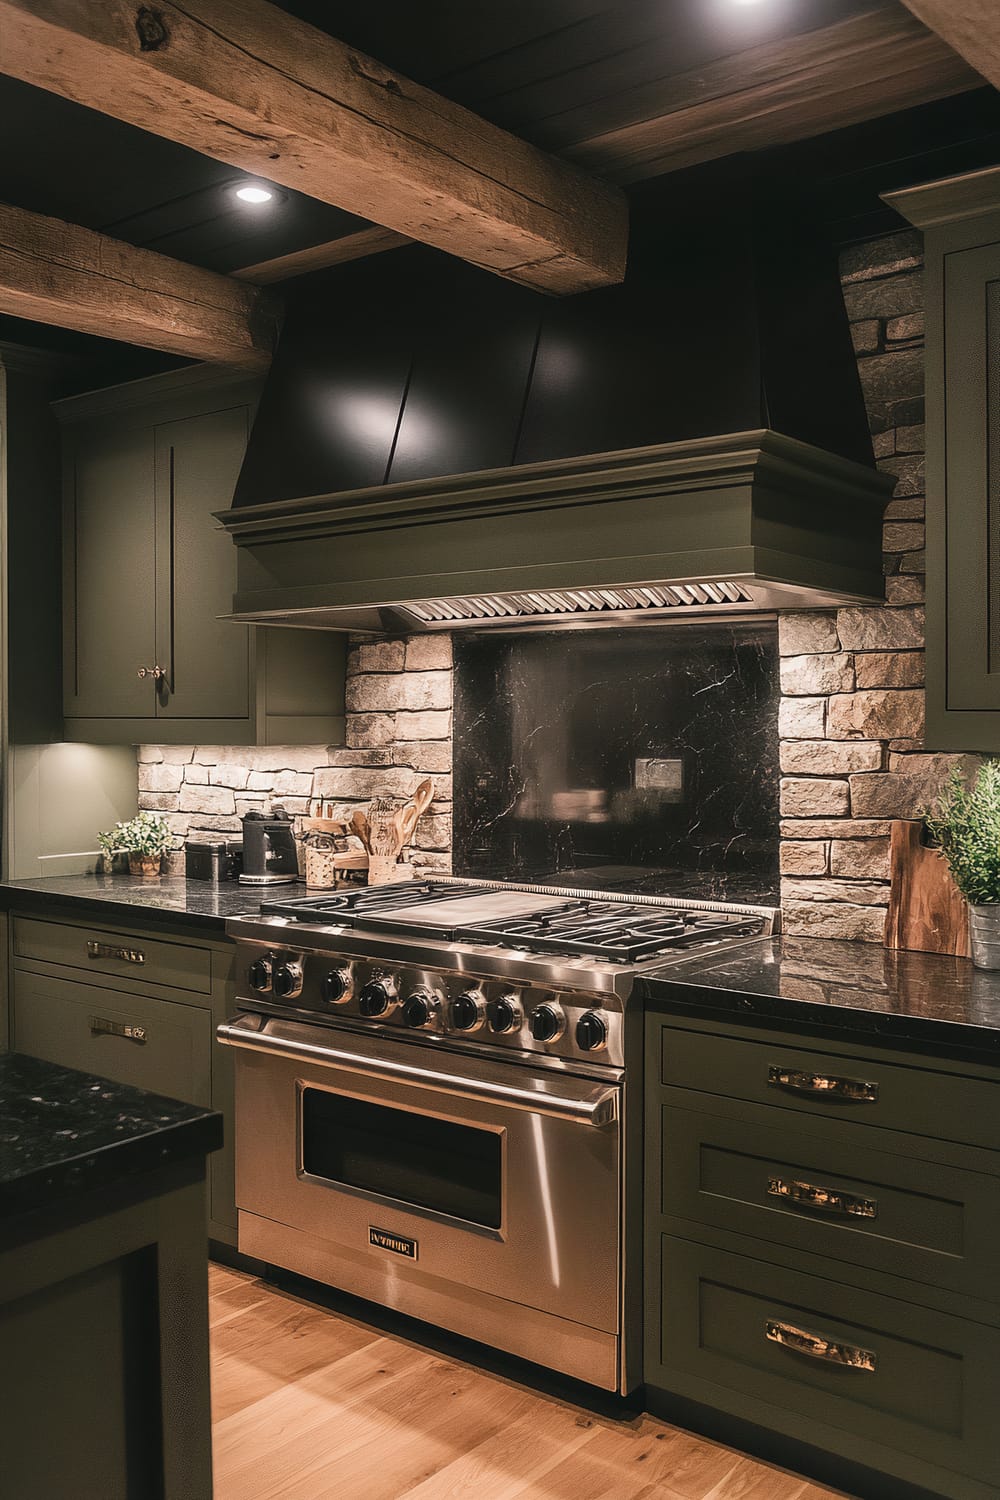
(971, 27)
(248, 84)
(869, 64)
(353, 246)
(58, 273)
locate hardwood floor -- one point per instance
(310, 1404)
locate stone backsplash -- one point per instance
(851, 719)
(399, 701)
(851, 714)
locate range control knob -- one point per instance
(547, 1022)
(420, 1008)
(259, 974)
(504, 1014)
(468, 1010)
(591, 1032)
(287, 980)
(337, 986)
(378, 996)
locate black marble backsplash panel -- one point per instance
(643, 759)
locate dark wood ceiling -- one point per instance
(571, 76)
(560, 73)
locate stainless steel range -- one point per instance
(437, 1103)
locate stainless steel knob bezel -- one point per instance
(388, 983)
(560, 1017)
(479, 1001)
(509, 997)
(431, 999)
(347, 980)
(292, 966)
(266, 961)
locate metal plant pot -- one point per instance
(984, 932)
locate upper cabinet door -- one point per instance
(109, 572)
(961, 224)
(971, 551)
(206, 659)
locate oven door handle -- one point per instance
(578, 1101)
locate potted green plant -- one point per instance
(146, 838)
(113, 849)
(966, 824)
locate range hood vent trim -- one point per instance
(748, 521)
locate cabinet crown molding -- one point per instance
(949, 199)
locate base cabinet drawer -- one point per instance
(102, 950)
(904, 1388)
(900, 1215)
(866, 1091)
(153, 1044)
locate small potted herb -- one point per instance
(146, 838)
(966, 824)
(113, 850)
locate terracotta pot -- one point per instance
(147, 865)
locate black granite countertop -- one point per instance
(924, 999)
(199, 902)
(64, 1133)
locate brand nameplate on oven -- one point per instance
(396, 1243)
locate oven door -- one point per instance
(484, 1177)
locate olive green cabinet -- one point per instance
(149, 578)
(960, 218)
(135, 1004)
(820, 1247)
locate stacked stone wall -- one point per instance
(399, 702)
(851, 719)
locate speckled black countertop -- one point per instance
(64, 1133)
(199, 902)
(925, 999)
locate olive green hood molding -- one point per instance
(718, 526)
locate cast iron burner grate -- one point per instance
(606, 930)
(529, 921)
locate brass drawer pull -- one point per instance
(823, 1085)
(108, 950)
(817, 1347)
(132, 1032)
(827, 1200)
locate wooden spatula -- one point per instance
(359, 823)
(414, 811)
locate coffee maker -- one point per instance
(269, 856)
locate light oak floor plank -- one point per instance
(310, 1404)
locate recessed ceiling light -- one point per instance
(252, 192)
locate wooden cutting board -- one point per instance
(926, 912)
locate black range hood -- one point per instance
(438, 449)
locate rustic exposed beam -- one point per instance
(58, 273)
(972, 27)
(868, 64)
(247, 83)
(317, 257)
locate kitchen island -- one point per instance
(102, 1258)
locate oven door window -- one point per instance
(449, 1168)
